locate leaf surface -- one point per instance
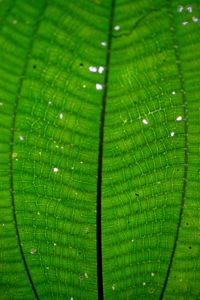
(99, 149)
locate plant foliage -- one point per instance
(99, 149)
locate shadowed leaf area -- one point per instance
(99, 150)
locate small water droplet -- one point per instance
(103, 44)
(21, 137)
(61, 116)
(100, 70)
(172, 133)
(55, 170)
(189, 8)
(144, 121)
(179, 118)
(117, 28)
(195, 19)
(99, 86)
(173, 92)
(93, 69)
(33, 250)
(180, 8)
(184, 23)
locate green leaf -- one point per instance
(99, 149)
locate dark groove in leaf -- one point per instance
(100, 160)
(185, 118)
(18, 93)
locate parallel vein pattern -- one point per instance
(102, 147)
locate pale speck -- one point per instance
(132, 240)
(180, 8)
(61, 116)
(93, 69)
(100, 70)
(87, 230)
(71, 298)
(172, 133)
(38, 213)
(15, 22)
(195, 19)
(173, 92)
(1, 103)
(99, 86)
(54, 244)
(55, 170)
(21, 137)
(144, 283)
(14, 155)
(81, 162)
(86, 275)
(84, 86)
(103, 44)
(179, 118)
(47, 268)
(144, 121)
(189, 8)
(49, 102)
(117, 28)
(184, 23)
(3, 225)
(72, 167)
(152, 274)
(33, 250)
(113, 287)
(40, 153)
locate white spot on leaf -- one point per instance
(179, 118)
(93, 69)
(180, 8)
(144, 121)
(100, 70)
(99, 86)
(195, 19)
(117, 28)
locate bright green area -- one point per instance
(46, 49)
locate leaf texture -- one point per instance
(99, 149)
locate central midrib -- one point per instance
(100, 158)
